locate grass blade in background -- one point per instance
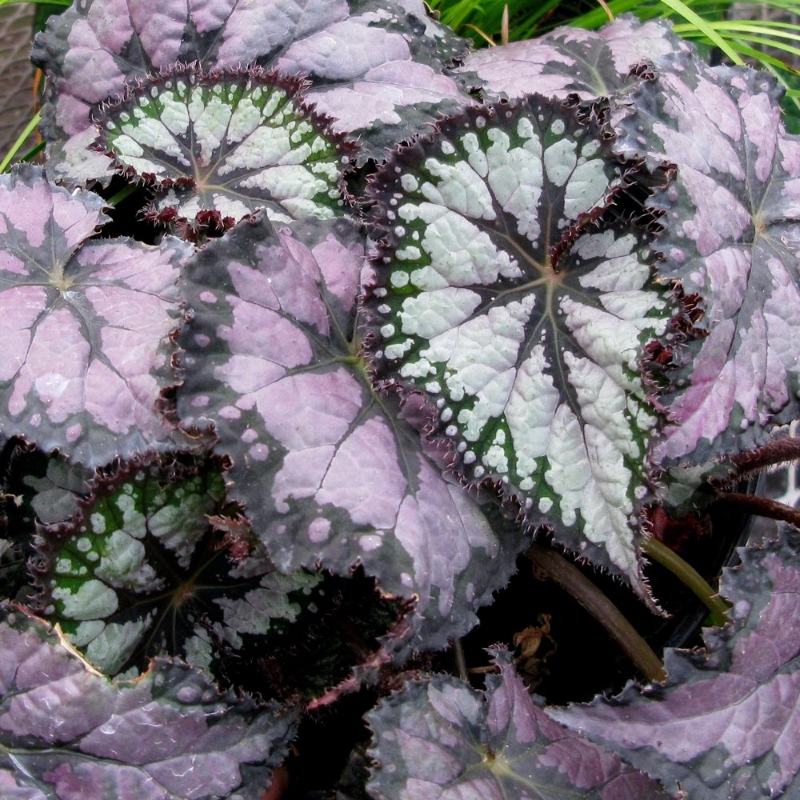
(16, 74)
(763, 35)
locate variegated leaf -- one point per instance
(518, 293)
(327, 471)
(139, 571)
(226, 143)
(724, 726)
(733, 238)
(68, 732)
(35, 488)
(570, 60)
(380, 62)
(86, 324)
(441, 739)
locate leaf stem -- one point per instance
(460, 659)
(689, 577)
(762, 506)
(779, 451)
(572, 580)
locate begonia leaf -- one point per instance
(67, 732)
(54, 496)
(725, 723)
(226, 143)
(326, 470)
(140, 571)
(35, 488)
(376, 66)
(732, 239)
(520, 296)
(47, 488)
(570, 60)
(86, 323)
(441, 739)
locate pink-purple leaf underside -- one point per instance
(67, 733)
(733, 238)
(725, 725)
(327, 471)
(441, 739)
(381, 61)
(86, 325)
(569, 60)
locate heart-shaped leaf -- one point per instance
(87, 324)
(518, 292)
(440, 739)
(375, 66)
(228, 142)
(67, 732)
(725, 723)
(153, 564)
(327, 471)
(733, 239)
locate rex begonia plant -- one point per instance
(402, 314)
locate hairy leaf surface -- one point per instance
(86, 323)
(732, 238)
(228, 142)
(66, 732)
(517, 292)
(725, 723)
(376, 67)
(327, 471)
(442, 739)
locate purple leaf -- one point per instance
(732, 238)
(725, 725)
(87, 325)
(517, 291)
(327, 472)
(440, 739)
(381, 60)
(12, 789)
(573, 60)
(170, 733)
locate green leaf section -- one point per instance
(156, 562)
(225, 144)
(517, 291)
(142, 570)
